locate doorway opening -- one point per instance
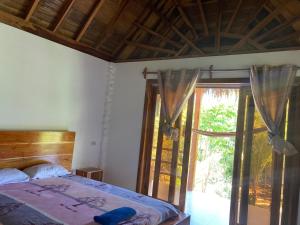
(212, 156)
(222, 169)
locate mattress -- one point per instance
(75, 200)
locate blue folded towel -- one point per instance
(115, 216)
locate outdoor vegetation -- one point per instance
(215, 154)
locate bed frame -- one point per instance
(182, 219)
(21, 149)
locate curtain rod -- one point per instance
(210, 70)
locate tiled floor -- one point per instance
(207, 209)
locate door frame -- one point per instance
(148, 122)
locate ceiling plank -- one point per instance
(203, 17)
(150, 48)
(158, 35)
(112, 22)
(62, 14)
(88, 22)
(186, 18)
(32, 8)
(254, 30)
(20, 23)
(234, 15)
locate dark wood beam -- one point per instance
(260, 6)
(180, 51)
(213, 54)
(88, 22)
(294, 35)
(20, 23)
(233, 17)
(277, 29)
(32, 8)
(150, 47)
(158, 35)
(62, 14)
(133, 28)
(177, 31)
(112, 22)
(219, 25)
(186, 18)
(254, 30)
(239, 36)
(194, 4)
(168, 31)
(203, 17)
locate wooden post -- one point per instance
(195, 138)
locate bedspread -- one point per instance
(75, 200)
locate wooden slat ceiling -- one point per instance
(132, 30)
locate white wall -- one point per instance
(44, 85)
(127, 107)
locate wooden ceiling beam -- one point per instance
(203, 17)
(62, 14)
(177, 31)
(180, 51)
(255, 29)
(167, 32)
(150, 47)
(88, 22)
(32, 8)
(260, 6)
(194, 4)
(158, 35)
(219, 26)
(186, 18)
(112, 22)
(188, 41)
(277, 29)
(294, 35)
(234, 15)
(239, 36)
(197, 55)
(20, 23)
(133, 29)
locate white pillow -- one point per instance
(11, 175)
(48, 170)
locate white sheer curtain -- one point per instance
(271, 87)
(175, 88)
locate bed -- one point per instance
(68, 199)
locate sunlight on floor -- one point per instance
(207, 208)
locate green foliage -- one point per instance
(220, 118)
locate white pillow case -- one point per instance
(12, 175)
(48, 170)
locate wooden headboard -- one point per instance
(20, 149)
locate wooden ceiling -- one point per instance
(132, 30)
